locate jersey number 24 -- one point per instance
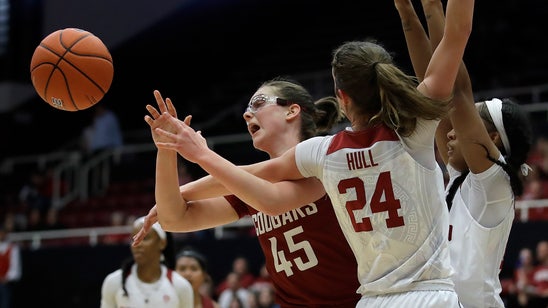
(378, 204)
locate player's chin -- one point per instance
(258, 142)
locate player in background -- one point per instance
(301, 246)
(483, 152)
(192, 265)
(145, 281)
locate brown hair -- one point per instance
(317, 116)
(381, 91)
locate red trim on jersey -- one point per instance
(238, 205)
(361, 139)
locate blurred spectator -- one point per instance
(234, 293)
(104, 132)
(34, 222)
(33, 194)
(537, 186)
(235, 302)
(192, 265)
(266, 297)
(264, 280)
(540, 277)
(52, 220)
(15, 222)
(10, 267)
(117, 219)
(240, 266)
(536, 183)
(253, 299)
(523, 276)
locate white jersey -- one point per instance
(390, 207)
(170, 291)
(477, 249)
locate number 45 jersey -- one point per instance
(306, 254)
(390, 207)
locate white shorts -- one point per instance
(413, 299)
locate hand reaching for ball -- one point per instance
(164, 106)
(168, 132)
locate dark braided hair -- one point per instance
(126, 270)
(519, 131)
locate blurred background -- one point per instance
(208, 56)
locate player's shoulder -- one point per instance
(114, 275)
(179, 281)
(113, 280)
(314, 142)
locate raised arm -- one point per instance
(267, 197)
(462, 92)
(447, 57)
(418, 44)
(171, 209)
(435, 20)
(208, 186)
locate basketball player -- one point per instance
(483, 153)
(145, 281)
(301, 246)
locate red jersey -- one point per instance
(306, 254)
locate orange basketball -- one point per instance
(71, 69)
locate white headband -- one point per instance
(156, 227)
(495, 110)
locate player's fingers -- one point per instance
(149, 120)
(153, 112)
(187, 120)
(171, 108)
(137, 238)
(165, 133)
(160, 101)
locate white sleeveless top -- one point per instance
(477, 250)
(169, 293)
(390, 208)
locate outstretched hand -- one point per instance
(150, 219)
(164, 106)
(179, 136)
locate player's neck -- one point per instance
(149, 274)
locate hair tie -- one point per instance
(374, 65)
(494, 107)
(525, 168)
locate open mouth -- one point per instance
(253, 128)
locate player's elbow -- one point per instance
(167, 224)
(170, 223)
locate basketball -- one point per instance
(71, 69)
